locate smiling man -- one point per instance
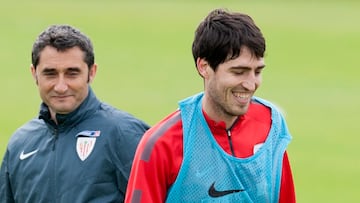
(62, 78)
(223, 144)
(79, 149)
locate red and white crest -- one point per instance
(84, 146)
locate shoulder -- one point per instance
(108, 110)
(163, 137)
(269, 104)
(168, 126)
(259, 112)
(260, 106)
(28, 130)
(123, 120)
(27, 134)
(274, 114)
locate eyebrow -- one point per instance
(47, 70)
(247, 67)
(73, 69)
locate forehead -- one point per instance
(50, 57)
(245, 59)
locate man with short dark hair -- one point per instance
(223, 144)
(79, 149)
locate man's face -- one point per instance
(63, 79)
(228, 91)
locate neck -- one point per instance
(218, 115)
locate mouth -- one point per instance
(242, 97)
(61, 97)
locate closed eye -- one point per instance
(49, 72)
(259, 70)
(238, 72)
(73, 72)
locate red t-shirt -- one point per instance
(160, 153)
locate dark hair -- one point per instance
(222, 34)
(63, 37)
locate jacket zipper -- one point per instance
(228, 132)
(55, 133)
(230, 142)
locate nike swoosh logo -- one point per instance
(215, 193)
(27, 155)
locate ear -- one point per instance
(33, 73)
(202, 67)
(92, 72)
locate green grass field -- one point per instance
(143, 50)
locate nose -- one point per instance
(249, 85)
(61, 85)
(251, 81)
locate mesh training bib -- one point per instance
(209, 174)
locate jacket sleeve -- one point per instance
(287, 189)
(123, 149)
(5, 189)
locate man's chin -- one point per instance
(243, 110)
(63, 110)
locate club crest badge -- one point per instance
(85, 143)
